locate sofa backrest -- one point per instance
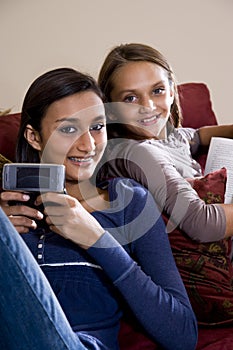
(196, 105)
(9, 125)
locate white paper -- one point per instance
(220, 155)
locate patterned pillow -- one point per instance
(206, 268)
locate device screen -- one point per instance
(32, 177)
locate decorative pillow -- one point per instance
(211, 188)
(206, 268)
(3, 161)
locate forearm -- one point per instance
(156, 306)
(207, 132)
(163, 316)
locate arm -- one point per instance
(207, 132)
(152, 287)
(155, 170)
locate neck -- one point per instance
(91, 197)
(81, 190)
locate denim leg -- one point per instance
(30, 316)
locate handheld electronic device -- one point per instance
(31, 177)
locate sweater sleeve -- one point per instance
(150, 282)
(159, 300)
(173, 194)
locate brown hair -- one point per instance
(46, 89)
(120, 56)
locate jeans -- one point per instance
(30, 316)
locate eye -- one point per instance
(97, 127)
(158, 91)
(68, 129)
(130, 99)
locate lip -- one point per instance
(81, 160)
(149, 120)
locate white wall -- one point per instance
(195, 35)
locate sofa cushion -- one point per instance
(9, 125)
(215, 338)
(131, 337)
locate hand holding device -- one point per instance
(33, 179)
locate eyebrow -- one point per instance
(161, 82)
(76, 120)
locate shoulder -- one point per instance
(119, 147)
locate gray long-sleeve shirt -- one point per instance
(162, 166)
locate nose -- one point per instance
(86, 142)
(147, 105)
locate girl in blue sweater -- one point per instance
(92, 255)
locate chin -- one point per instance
(84, 177)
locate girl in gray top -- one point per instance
(148, 144)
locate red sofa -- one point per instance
(197, 111)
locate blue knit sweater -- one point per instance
(130, 267)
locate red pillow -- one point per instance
(211, 188)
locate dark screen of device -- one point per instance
(33, 177)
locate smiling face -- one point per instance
(73, 133)
(147, 96)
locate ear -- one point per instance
(33, 137)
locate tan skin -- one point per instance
(74, 134)
(145, 90)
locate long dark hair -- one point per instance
(120, 56)
(46, 89)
